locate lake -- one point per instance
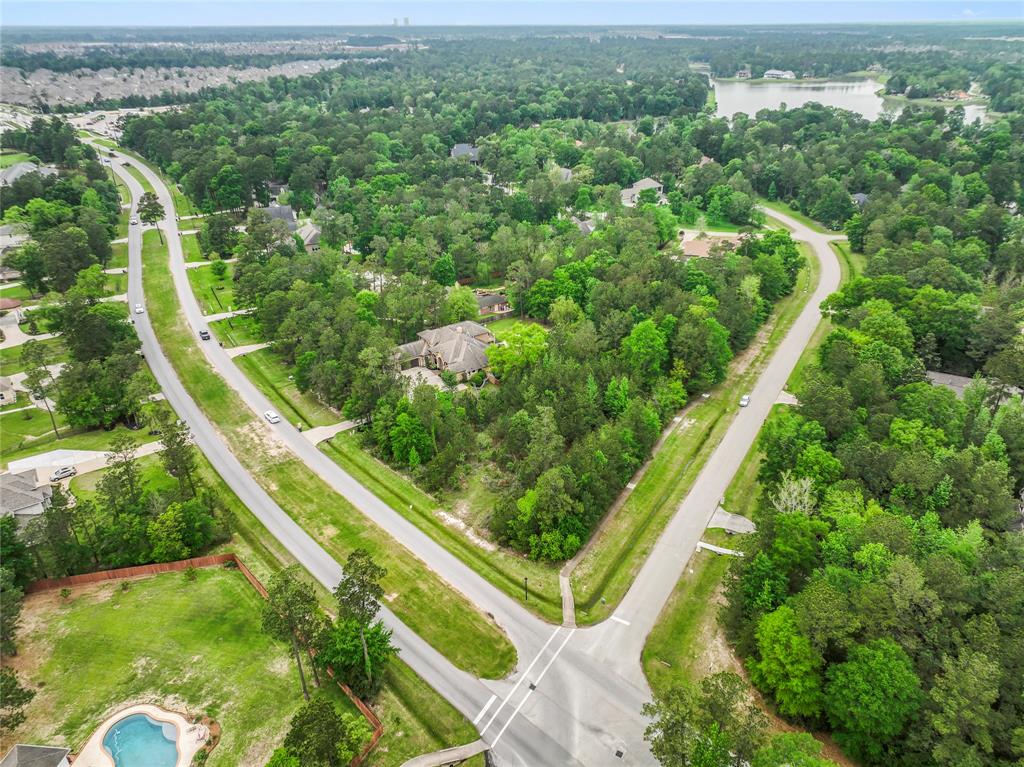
(855, 95)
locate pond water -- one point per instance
(139, 741)
(859, 96)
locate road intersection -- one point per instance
(577, 694)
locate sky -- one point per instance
(105, 13)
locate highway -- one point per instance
(576, 695)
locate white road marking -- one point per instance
(516, 686)
(533, 687)
(483, 711)
(617, 619)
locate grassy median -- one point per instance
(443, 617)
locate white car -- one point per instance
(64, 472)
(139, 309)
(133, 221)
(272, 417)
(744, 400)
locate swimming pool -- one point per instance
(141, 741)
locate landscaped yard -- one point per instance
(501, 327)
(11, 157)
(192, 646)
(215, 294)
(15, 290)
(10, 358)
(272, 377)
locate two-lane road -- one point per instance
(576, 695)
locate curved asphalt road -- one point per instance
(576, 696)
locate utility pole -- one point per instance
(526, 588)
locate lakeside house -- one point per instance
(779, 74)
(460, 348)
(631, 194)
(468, 152)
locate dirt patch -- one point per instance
(450, 520)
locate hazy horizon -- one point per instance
(313, 13)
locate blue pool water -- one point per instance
(138, 741)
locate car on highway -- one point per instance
(744, 400)
(272, 417)
(64, 472)
(204, 334)
(134, 221)
(139, 309)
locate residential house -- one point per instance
(12, 236)
(466, 152)
(276, 188)
(701, 245)
(310, 234)
(779, 74)
(283, 213)
(22, 755)
(631, 195)
(460, 347)
(492, 304)
(743, 74)
(565, 175)
(21, 498)
(12, 173)
(585, 225)
(860, 199)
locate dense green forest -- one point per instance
(881, 595)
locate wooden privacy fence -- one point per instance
(48, 584)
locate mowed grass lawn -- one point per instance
(272, 376)
(10, 358)
(439, 614)
(192, 646)
(119, 255)
(190, 247)
(215, 294)
(237, 331)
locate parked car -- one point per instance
(204, 334)
(64, 472)
(139, 309)
(134, 221)
(744, 400)
(272, 417)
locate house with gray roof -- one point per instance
(21, 497)
(310, 235)
(860, 199)
(460, 347)
(22, 755)
(492, 304)
(466, 152)
(283, 213)
(631, 194)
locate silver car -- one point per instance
(744, 400)
(272, 417)
(64, 472)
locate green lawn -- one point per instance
(442, 616)
(190, 247)
(15, 290)
(237, 331)
(193, 646)
(182, 204)
(151, 471)
(675, 648)
(503, 568)
(215, 294)
(783, 208)
(271, 376)
(10, 358)
(11, 157)
(119, 255)
(606, 571)
(122, 225)
(22, 438)
(501, 327)
(137, 175)
(115, 285)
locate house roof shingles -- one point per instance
(19, 492)
(462, 346)
(35, 756)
